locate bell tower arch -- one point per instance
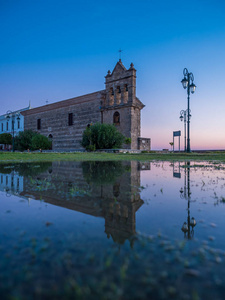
(120, 85)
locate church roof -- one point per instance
(65, 103)
(139, 103)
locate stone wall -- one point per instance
(55, 120)
(144, 144)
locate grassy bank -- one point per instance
(29, 157)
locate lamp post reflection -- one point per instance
(188, 227)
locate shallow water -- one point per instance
(112, 230)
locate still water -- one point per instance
(112, 230)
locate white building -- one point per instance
(12, 118)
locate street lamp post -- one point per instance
(190, 88)
(14, 116)
(183, 116)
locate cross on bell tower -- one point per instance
(120, 53)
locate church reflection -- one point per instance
(110, 190)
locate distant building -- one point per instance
(6, 124)
(65, 121)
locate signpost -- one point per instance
(176, 133)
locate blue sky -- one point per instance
(55, 50)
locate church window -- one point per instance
(116, 118)
(7, 126)
(18, 123)
(38, 124)
(2, 126)
(70, 119)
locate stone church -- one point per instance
(64, 121)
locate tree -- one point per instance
(127, 141)
(23, 140)
(171, 144)
(39, 141)
(32, 140)
(101, 136)
(6, 139)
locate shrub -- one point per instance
(102, 136)
(23, 140)
(39, 141)
(32, 140)
(127, 141)
(6, 139)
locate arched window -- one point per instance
(50, 137)
(116, 118)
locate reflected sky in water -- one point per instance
(166, 200)
(150, 198)
(90, 209)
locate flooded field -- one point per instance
(112, 230)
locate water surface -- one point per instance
(112, 230)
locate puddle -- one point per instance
(112, 230)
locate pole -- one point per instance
(189, 193)
(185, 132)
(188, 116)
(179, 143)
(13, 131)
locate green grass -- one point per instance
(100, 156)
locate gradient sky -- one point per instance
(54, 50)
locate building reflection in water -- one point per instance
(11, 182)
(103, 189)
(188, 227)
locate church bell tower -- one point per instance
(121, 107)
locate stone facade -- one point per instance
(65, 121)
(144, 144)
(53, 120)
